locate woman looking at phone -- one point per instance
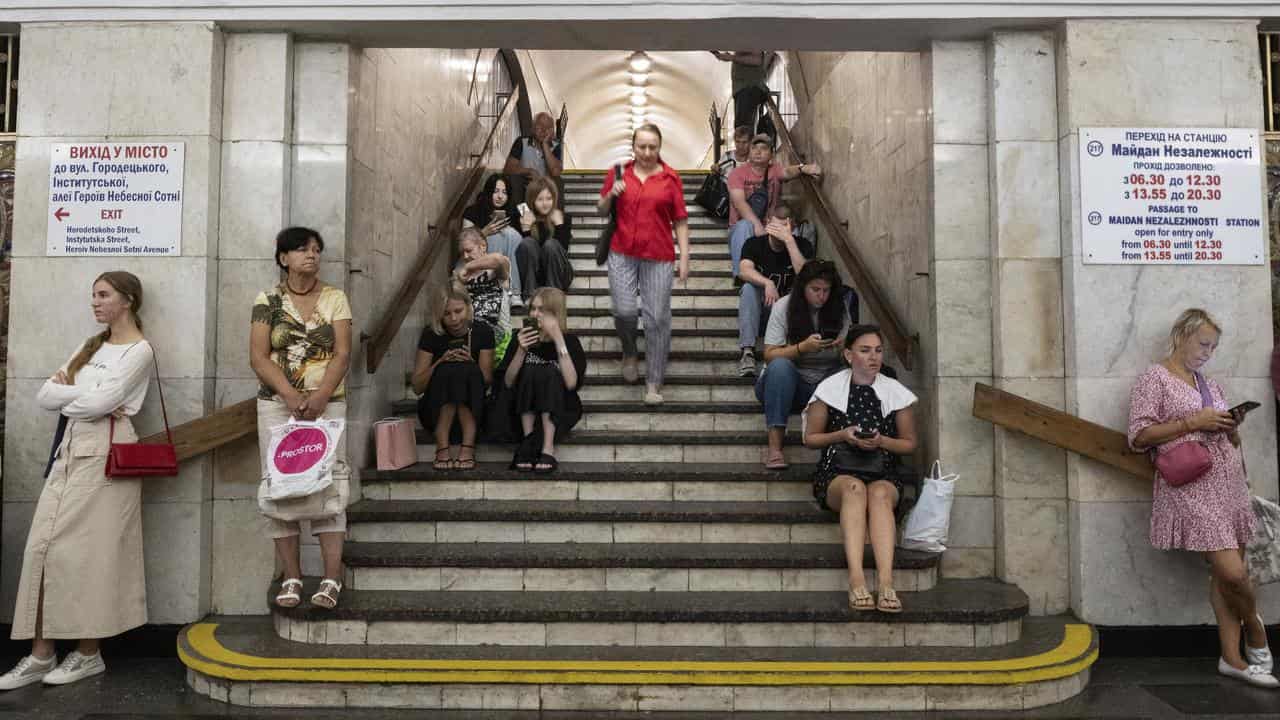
(454, 365)
(862, 421)
(1173, 404)
(543, 256)
(801, 348)
(494, 215)
(545, 371)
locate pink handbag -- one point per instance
(1188, 461)
(395, 443)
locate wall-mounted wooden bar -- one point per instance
(212, 431)
(1059, 429)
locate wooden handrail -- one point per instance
(212, 431)
(895, 330)
(387, 328)
(1059, 429)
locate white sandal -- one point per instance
(290, 593)
(327, 596)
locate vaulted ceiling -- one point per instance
(595, 86)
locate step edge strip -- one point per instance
(1076, 652)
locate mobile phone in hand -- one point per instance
(523, 208)
(1238, 412)
(530, 323)
(863, 434)
(829, 335)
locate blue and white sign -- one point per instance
(118, 199)
(1171, 196)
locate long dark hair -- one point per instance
(481, 211)
(830, 316)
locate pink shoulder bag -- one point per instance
(1187, 461)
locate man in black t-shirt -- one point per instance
(767, 269)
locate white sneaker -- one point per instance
(28, 671)
(1253, 674)
(76, 667)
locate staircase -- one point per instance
(662, 568)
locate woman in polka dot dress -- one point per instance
(1210, 515)
(861, 408)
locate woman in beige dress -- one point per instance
(82, 573)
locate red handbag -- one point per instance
(1188, 461)
(143, 459)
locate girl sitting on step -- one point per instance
(862, 421)
(485, 276)
(544, 371)
(454, 366)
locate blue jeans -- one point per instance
(506, 241)
(742, 231)
(782, 391)
(751, 311)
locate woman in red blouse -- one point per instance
(650, 206)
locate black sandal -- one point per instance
(465, 463)
(544, 459)
(526, 454)
(445, 463)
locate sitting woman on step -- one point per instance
(485, 276)
(85, 542)
(494, 215)
(300, 349)
(545, 371)
(801, 347)
(543, 256)
(453, 368)
(1174, 409)
(862, 421)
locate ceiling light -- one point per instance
(639, 78)
(638, 92)
(639, 62)
(639, 100)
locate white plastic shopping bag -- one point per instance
(1263, 553)
(301, 457)
(927, 525)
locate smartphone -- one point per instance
(863, 434)
(523, 208)
(830, 335)
(1238, 412)
(457, 343)
(530, 323)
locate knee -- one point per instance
(881, 494)
(783, 366)
(1233, 580)
(855, 492)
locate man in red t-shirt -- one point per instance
(747, 180)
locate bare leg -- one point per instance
(444, 423)
(548, 435)
(526, 422)
(776, 436)
(41, 647)
(331, 551)
(89, 646)
(850, 496)
(287, 554)
(1233, 601)
(467, 453)
(881, 498)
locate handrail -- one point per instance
(381, 339)
(895, 331)
(211, 431)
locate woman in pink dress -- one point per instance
(1210, 515)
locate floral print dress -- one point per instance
(301, 348)
(1213, 512)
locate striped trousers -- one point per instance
(652, 280)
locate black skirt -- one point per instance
(540, 389)
(452, 383)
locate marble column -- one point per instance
(960, 297)
(1026, 267)
(168, 89)
(1141, 73)
(256, 179)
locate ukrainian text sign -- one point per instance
(1171, 196)
(120, 199)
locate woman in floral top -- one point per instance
(300, 349)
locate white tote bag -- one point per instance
(301, 457)
(1263, 553)
(927, 525)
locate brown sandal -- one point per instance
(860, 599)
(889, 602)
(445, 463)
(327, 596)
(465, 463)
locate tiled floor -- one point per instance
(1130, 688)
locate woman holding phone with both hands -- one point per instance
(544, 371)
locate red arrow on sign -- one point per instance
(61, 214)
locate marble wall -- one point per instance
(64, 98)
(1151, 73)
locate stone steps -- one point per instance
(681, 299)
(700, 225)
(242, 661)
(955, 613)
(632, 446)
(632, 414)
(714, 256)
(618, 567)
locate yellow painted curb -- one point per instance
(1073, 655)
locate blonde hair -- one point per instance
(128, 285)
(1190, 322)
(454, 290)
(542, 223)
(553, 303)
